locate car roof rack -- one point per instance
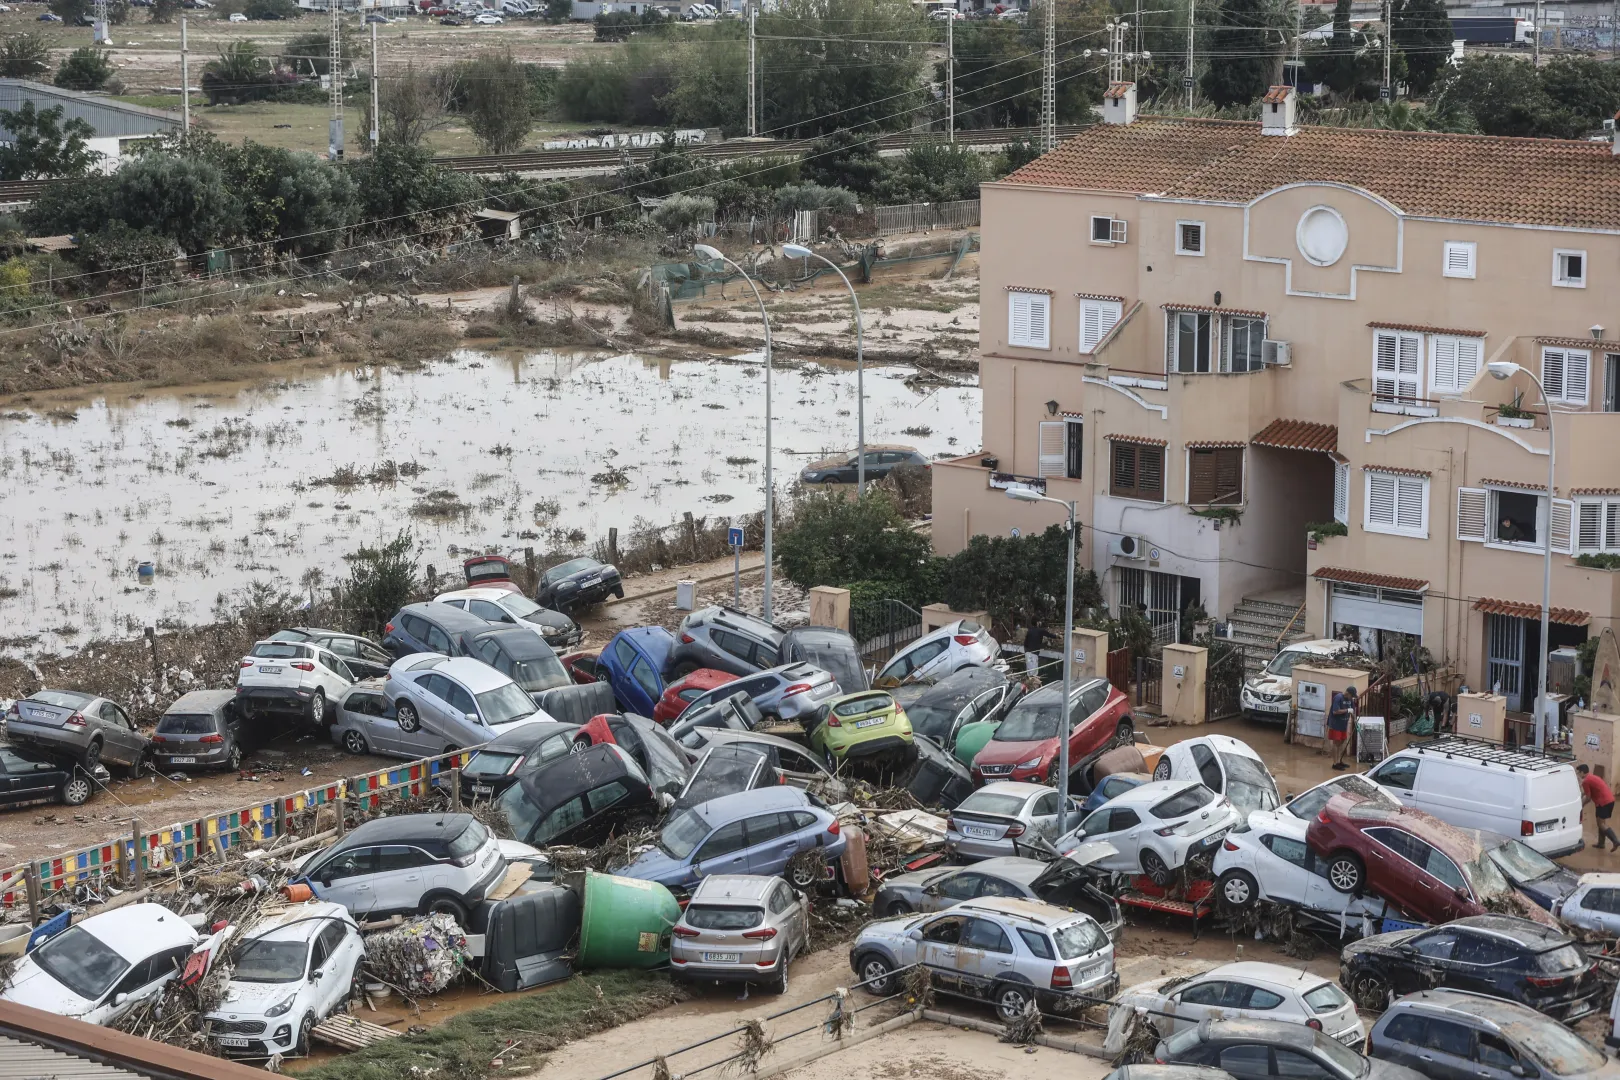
(1488, 752)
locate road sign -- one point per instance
(734, 536)
(1186, 82)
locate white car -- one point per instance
(1227, 766)
(1270, 694)
(989, 823)
(289, 972)
(1305, 806)
(503, 607)
(1249, 990)
(952, 647)
(291, 677)
(1157, 827)
(237, 16)
(488, 18)
(99, 969)
(1594, 905)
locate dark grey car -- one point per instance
(202, 730)
(578, 583)
(724, 639)
(1150, 1071)
(1264, 1049)
(83, 727)
(1065, 882)
(734, 711)
(522, 656)
(830, 650)
(1456, 1035)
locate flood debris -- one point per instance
(425, 955)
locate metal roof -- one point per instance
(20, 1060)
(110, 119)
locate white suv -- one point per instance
(1270, 694)
(1157, 827)
(933, 656)
(291, 677)
(409, 864)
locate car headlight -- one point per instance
(280, 1008)
(1032, 763)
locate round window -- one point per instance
(1322, 235)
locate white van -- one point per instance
(1270, 694)
(1479, 785)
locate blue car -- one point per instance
(750, 832)
(633, 664)
(1112, 786)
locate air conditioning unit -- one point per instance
(1127, 547)
(1275, 352)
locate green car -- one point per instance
(868, 724)
(971, 738)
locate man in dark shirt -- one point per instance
(1341, 714)
(1033, 640)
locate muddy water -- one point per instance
(217, 487)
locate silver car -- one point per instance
(459, 700)
(796, 691)
(740, 928)
(84, 727)
(367, 724)
(1000, 817)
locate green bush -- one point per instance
(807, 196)
(836, 540)
(382, 580)
(24, 56)
(85, 69)
(1019, 580)
(122, 257)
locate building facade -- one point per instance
(1213, 335)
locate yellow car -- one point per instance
(868, 724)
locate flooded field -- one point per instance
(219, 486)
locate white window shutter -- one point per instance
(1562, 512)
(1380, 500)
(1341, 493)
(1054, 448)
(1589, 531)
(1411, 503)
(1611, 526)
(1470, 358)
(1018, 318)
(1040, 320)
(1552, 372)
(1459, 261)
(1090, 319)
(1443, 363)
(1577, 375)
(1397, 366)
(1473, 514)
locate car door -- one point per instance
(1201, 1001)
(647, 685)
(1394, 862)
(772, 841)
(623, 655)
(938, 949)
(437, 714)
(792, 912)
(1497, 1059)
(1478, 964)
(1427, 963)
(461, 706)
(1287, 876)
(119, 741)
(334, 675)
(724, 852)
(1399, 775)
(125, 994)
(1043, 815)
(984, 955)
(329, 976)
(1246, 1061)
(1447, 1051)
(348, 879)
(1294, 1065)
(400, 878)
(368, 711)
(491, 612)
(1090, 728)
(1118, 825)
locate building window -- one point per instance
(1190, 341)
(1189, 238)
(1459, 259)
(1569, 269)
(1517, 518)
(1215, 476)
(1029, 320)
(1341, 492)
(1397, 367)
(1397, 504)
(1566, 374)
(1514, 518)
(1075, 445)
(1599, 530)
(1061, 447)
(1244, 340)
(1454, 362)
(1097, 317)
(1107, 230)
(1138, 472)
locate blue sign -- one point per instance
(734, 536)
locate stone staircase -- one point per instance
(1256, 624)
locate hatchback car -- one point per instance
(366, 723)
(495, 766)
(503, 607)
(202, 730)
(80, 727)
(461, 701)
(1025, 746)
(1066, 882)
(1452, 1035)
(288, 973)
(680, 694)
(437, 628)
(793, 691)
(751, 832)
(1547, 883)
(845, 468)
(931, 657)
(733, 713)
(796, 765)
(1268, 1049)
(1593, 905)
(727, 640)
(972, 695)
(993, 820)
(662, 758)
(581, 799)
(1006, 950)
(1226, 766)
(1498, 955)
(633, 663)
(725, 769)
(1157, 827)
(1112, 786)
(1270, 860)
(408, 863)
(865, 725)
(578, 583)
(364, 657)
(829, 649)
(27, 776)
(740, 928)
(294, 679)
(1249, 990)
(522, 657)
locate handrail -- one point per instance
(1291, 622)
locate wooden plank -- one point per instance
(350, 1032)
(516, 875)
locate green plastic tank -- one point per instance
(625, 922)
(971, 738)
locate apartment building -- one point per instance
(1212, 334)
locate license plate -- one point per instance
(721, 957)
(482, 789)
(264, 670)
(41, 714)
(233, 1040)
(182, 761)
(873, 722)
(979, 832)
(1350, 1038)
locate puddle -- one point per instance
(219, 487)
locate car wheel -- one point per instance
(92, 756)
(802, 877)
(1054, 774)
(619, 592)
(77, 790)
(1345, 872)
(1154, 867)
(1238, 889)
(317, 707)
(581, 744)
(1371, 992)
(1011, 1001)
(305, 1026)
(682, 670)
(448, 905)
(1125, 733)
(779, 985)
(354, 742)
(357, 981)
(897, 908)
(1161, 771)
(877, 975)
(405, 713)
(142, 765)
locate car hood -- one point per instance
(1379, 941)
(1548, 890)
(517, 849)
(653, 864)
(890, 928)
(996, 752)
(917, 879)
(31, 986)
(1271, 684)
(252, 998)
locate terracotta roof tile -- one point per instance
(1117, 89)
(1557, 182)
(1567, 616)
(1142, 440)
(1100, 296)
(1420, 329)
(1570, 342)
(1489, 482)
(1215, 310)
(1363, 577)
(1595, 491)
(1216, 444)
(1299, 435)
(1276, 95)
(1397, 470)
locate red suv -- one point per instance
(1025, 746)
(677, 696)
(1429, 869)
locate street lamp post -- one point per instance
(713, 253)
(1505, 369)
(799, 251)
(1028, 494)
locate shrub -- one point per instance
(381, 581)
(836, 540)
(678, 213)
(117, 254)
(85, 69)
(24, 56)
(811, 196)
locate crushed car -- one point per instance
(759, 831)
(1068, 881)
(579, 583)
(79, 727)
(1248, 990)
(1226, 766)
(581, 799)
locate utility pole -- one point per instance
(753, 107)
(1136, 57)
(1049, 81)
(1536, 58)
(376, 97)
(950, 76)
(1387, 92)
(1187, 79)
(334, 59)
(1299, 31)
(185, 79)
(101, 31)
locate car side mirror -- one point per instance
(1517, 1070)
(914, 935)
(119, 999)
(315, 976)
(472, 718)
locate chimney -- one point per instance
(1119, 103)
(1277, 111)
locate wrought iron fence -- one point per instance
(884, 628)
(1223, 683)
(1149, 680)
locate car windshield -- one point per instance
(1308, 805)
(81, 962)
(1283, 663)
(279, 650)
(490, 763)
(471, 839)
(1520, 863)
(270, 961)
(665, 761)
(505, 704)
(186, 724)
(521, 606)
(572, 566)
(704, 917)
(726, 769)
(834, 654)
(1183, 803)
(993, 802)
(1558, 1049)
(684, 832)
(864, 704)
(1079, 938)
(539, 674)
(933, 720)
(1030, 721)
(1485, 878)
(1247, 784)
(521, 814)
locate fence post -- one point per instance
(455, 787)
(281, 816)
(136, 870)
(31, 881)
(342, 803)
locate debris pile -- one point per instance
(423, 956)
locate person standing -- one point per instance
(1341, 715)
(1033, 640)
(1595, 791)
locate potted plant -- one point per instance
(1511, 415)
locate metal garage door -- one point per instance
(1377, 609)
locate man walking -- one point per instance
(1340, 716)
(1033, 640)
(1601, 796)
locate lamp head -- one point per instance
(707, 252)
(796, 251)
(1597, 332)
(1022, 493)
(1502, 369)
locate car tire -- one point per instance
(1053, 774)
(779, 985)
(619, 592)
(877, 975)
(1161, 771)
(355, 743)
(233, 761)
(580, 744)
(317, 708)
(1370, 991)
(1346, 873)
(1238, 889)
(1011, 1001)
(405, 715)
(447, 905)
(897, 908)
(1125, 733)
(1157, 870)
(143, 764)
(357, 981)
(305, 1026)
(802, 879)
(77, 789)
(92, 756)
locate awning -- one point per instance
(1396, 469)
(1363, 577)
(1415, 328)
(1566, 616)
(1210, 309)
(1299, 435)
(1141, 440)
(1216, 444)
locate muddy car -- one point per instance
(660, 757)
(578, 583)
(28, 777)
(581, 799)
(202, 730)
(80, 727)
(1066, 882)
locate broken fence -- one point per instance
(921, 217)
(132, 856)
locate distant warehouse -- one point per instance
(116, 124)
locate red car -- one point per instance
(1025, 746)
(664, 761)
(491, 572)
(581, 666)
(681, 694)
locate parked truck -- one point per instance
(1492, 30)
